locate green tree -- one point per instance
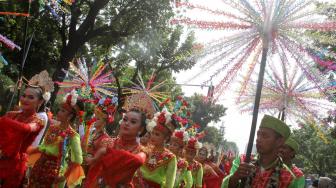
(315, 156)
(327, 40)
(204, 112)
(122, 32)
(230, 146)
(106, 23)
(99, 23)
(213, 136)
(159, 52)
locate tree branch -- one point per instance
(105, 30)
(75, 13)
(91, 16)
(63, 32)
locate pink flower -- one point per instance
(107, 101)
(161, 119)
(110, 119)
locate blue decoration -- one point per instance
(3, 60)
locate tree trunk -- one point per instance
(67, 54)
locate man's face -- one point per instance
(286, 153)
(268, 141)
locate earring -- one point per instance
(138, 137)
(38, 107)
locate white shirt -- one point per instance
(44, 117)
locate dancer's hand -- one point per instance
(244, 170)
(90, 160)
(60, 179)
(31, 150)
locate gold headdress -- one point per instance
(141, 102)
(43, 81)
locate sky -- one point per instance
(237, 125)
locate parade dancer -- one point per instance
(159, 170)
(60, 153)
(176, 145)
(20, 128)
(195, 167)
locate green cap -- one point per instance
(276, 124)
(292, 144)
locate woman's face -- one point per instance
(145, 139)
(131, 124)
(63, 115)
(158, 138)
(100, 123)
(30, 100)
(175, 146)
(190, 154)
(202, 154)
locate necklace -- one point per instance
(131, 146)
(158, 157)
(95, 137)
(25, 117)
(56, 131)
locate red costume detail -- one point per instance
(213, 176)
(227, 166)
(210, 181)
(261, 179)
(116, 167)
(194, 166)
(99, 141)
(297, 172)
(16, 136)
(182, 164)
(45, 171)
(161, 158)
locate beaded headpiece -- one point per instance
(106, 108)
(193, 142)
(162, 120)
(181, 136)
(141, 102)
(43, 81)
(70, 101)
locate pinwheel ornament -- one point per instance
(91, 82)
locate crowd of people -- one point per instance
(151, 150)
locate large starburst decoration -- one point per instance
(149, 88)
(287, 92)
(91, 82)
(249, 27)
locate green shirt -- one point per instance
(183, 175)
(53, 142)
(197, 173)
(295, 183)
(163, 172)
